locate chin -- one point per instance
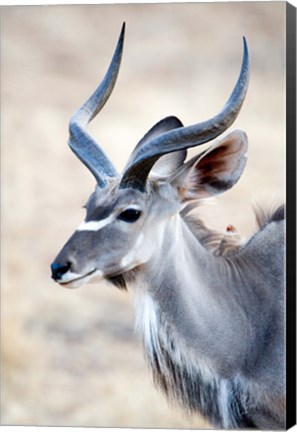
(77, 282)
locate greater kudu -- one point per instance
(212, 323)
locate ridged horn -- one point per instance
(145, 157)
(80, 142)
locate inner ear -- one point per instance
(168, 164)
(164, 125)
(215, 170)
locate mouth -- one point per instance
(80, 279)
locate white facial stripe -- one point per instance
(95, 225)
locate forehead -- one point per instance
(103, 202)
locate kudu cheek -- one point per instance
(134, 257)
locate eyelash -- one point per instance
(130, 215)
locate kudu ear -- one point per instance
(168, 164)
(215, 170)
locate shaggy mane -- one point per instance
(224, 244)
(269, 213)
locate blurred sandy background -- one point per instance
(71, 357)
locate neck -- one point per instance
(203, 319)
(180, 323)
(186, 288)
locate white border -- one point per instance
(94, 2)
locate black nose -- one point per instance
(59, 269)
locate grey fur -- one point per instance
(253, 376)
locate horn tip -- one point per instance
(246, 59)
(123, 29)
(245, 45)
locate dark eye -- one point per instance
(130, 215)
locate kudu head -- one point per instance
(126, 214)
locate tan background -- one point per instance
(70, 357)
